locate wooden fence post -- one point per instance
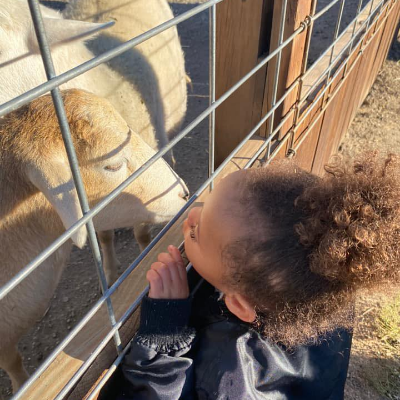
(242, 33)
(293, 60)
(246, 32)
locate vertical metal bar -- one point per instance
(276, 77)
(380, 12)
(324, 10)
(69, 146)
(371, 9)
(212, 67)
(336, 34)
(358, 12)
(369, 13)
(303, 68)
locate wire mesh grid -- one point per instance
(308, 98)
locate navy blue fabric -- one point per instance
(216, 356)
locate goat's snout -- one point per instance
(184, 194)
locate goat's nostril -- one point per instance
(184, 195)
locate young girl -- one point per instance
(286, 251)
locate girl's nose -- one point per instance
(193, 216)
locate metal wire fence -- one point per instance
(338, 62)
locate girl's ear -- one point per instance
(240, 307)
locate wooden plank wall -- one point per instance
(293, 60)
(352, 87)
(320, 133)
(242, 31)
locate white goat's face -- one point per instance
(108, 153)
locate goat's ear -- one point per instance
(56, 183)
(62, 31)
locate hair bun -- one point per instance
(352, 221)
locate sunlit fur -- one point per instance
(37, 199)
(149, 87)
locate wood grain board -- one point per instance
(238, 42)
(314, 73)
(292, 60)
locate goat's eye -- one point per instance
(113, 168)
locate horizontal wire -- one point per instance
(103, 203)
(313, 123)
(123, 276)
(265, 145)
(108, 374)
(320, 95)
(206, 183)
(295, 148)
(102, 58)
(315, 84)
(324, 10)
(118, 282)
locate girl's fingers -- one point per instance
(182, 289)
(156, 284)
(175, 276)
(173, 287)
(176, 269)
(171, 275)
(165, 258)
(165, 275)
(176, 256)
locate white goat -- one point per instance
(38, 200)
(156, 67)
(147, 86)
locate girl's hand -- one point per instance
(167, 277)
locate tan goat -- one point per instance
(38, 200)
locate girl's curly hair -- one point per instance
(314, 242)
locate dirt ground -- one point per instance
(376, 125)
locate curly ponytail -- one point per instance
(353, 221)
(314, 242)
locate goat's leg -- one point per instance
(142, 235)
(110, 260)
(11, 362)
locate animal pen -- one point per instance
(266, 102)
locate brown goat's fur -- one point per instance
(38, 199)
